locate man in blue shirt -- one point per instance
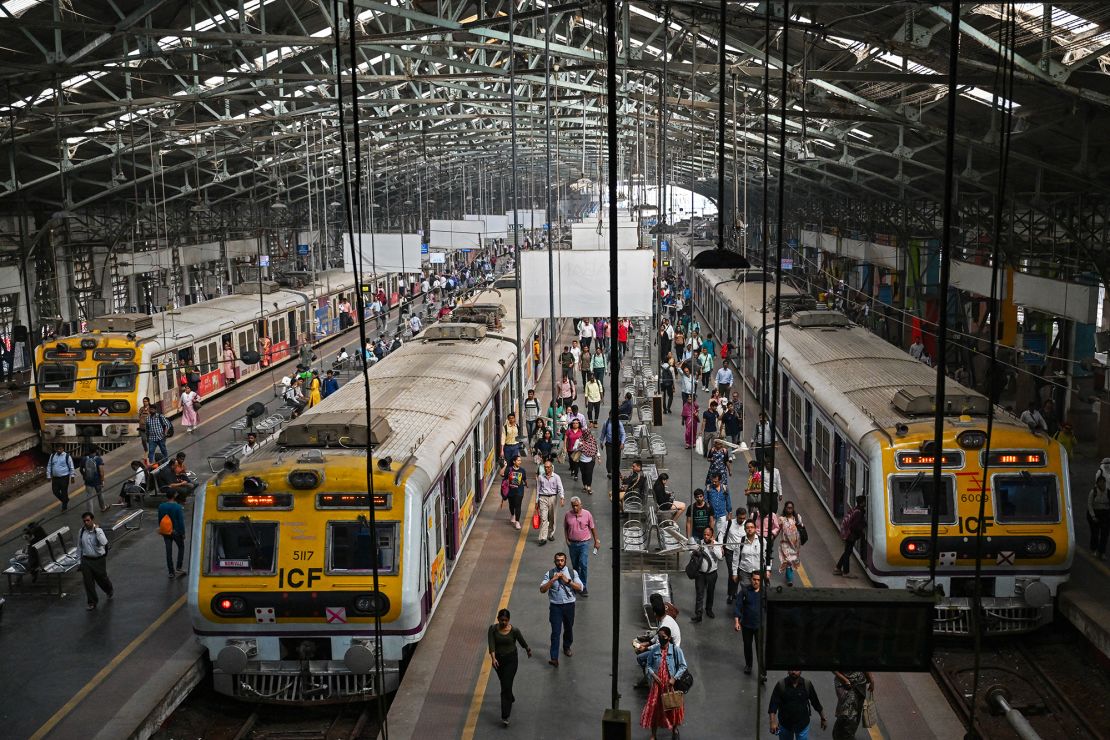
(719, 500)
(60, 472)
(612, 456)
(561, 584)
(331, 384)
(176, 514)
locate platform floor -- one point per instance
(16, 433)
(451, 692)
(1085, 599)
(68, 672)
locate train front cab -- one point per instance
(281, 586)
(1027, 547)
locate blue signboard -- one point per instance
(1035, 344)
(792, 243)
(886, 295)
(664, 246)
(423, 249)
(302, 250)
(546, 227)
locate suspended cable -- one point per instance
(1004, 77)
(948, 210)
(356, 259)
(721, 130)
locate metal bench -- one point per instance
(238, 427)
(654, 583)
(129, 520)
(633, 538)
(218, 459)
(55, 555)
(270, 424)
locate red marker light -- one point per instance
(226, 605)
(912, 547)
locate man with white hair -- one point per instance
(580, 530)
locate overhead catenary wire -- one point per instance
(356, 258)
(1004, 77)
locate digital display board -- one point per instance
(1017, 459)
(352, 501)
(927, 460)
(838, 629)
(236, 501)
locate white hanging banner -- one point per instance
(581, 283)
(497, 225)
(595, 235)
(456, 234)
(383, 253)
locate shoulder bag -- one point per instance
(693, 565)
(673, 700)
(803, 535)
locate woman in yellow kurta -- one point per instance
(314, 390)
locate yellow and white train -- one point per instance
(91, 385)
(856, 413)
(281, 585)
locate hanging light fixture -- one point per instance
(277, 205)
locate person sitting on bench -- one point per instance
(634, 482)
(135, 485)
(663, 498)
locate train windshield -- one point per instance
(1025, 498)
(913, 496)
(242, 547)
(349, 548)
(116, 377)
(55, 378)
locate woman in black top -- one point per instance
(545, 447)
(503, 638)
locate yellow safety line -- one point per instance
(98, 679)
(118, 468)
(483, 676)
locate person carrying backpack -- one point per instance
(789, 707)
(92, 470)
(158, 428)
(60, 472)
(171, 525)
(851, 531)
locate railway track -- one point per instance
(211, 716)
(1053, 678)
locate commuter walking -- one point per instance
(587, 459)
(190, 406)
(93, 551)
(730, 536)
(614, 446)
(853, 691)
(513, 481)
(752, 557)
(747, 615)
(851, 530)
(92, 471)
(1098, 514)
(665, 665)
(790, 541)
(689, 419)
(60, 472)
(762, 440)
(594, 393)
(724, 380)
(561, 584)
(503, 638)
(548, 486)
(531, 410)
(171, 525)
(709, 428)
(666, 382)
(580, 530)
(705, 582)
(789, 708)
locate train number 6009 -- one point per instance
(974, 497)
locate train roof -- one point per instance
(220, 314)
(428, 394)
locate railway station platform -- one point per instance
(1085, 599)
(450, 690)
(18, 440)
(125, 666)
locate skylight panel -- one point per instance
(19, 7)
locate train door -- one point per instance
(808, 458)
(450, 514)
(291, 321)
(784, 413)
(839, 487)
(437, 559)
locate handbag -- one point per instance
(803, 534)
(693, 565)
(536, 519)
(673, 700)
(575, 455)
(870, 713)
(684, 682)
(670, 610)
(504, 488)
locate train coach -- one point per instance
(281, 585)
(91, 385)
(856, 413)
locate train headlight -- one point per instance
(916, 548)
(304, 480)
(972, 439)
(1039, 547)
(119, 407)
(373, 604)
(51, 407)
(229, 605)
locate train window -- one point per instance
(213, 357)
(822, 451)
(912, 498)
(114, 377)
(795, 416)
(1024, 498)
(349, 548)
(55, 378)
(202, 355)
(242, 547)
(489, 440)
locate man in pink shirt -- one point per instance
(580, 530)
